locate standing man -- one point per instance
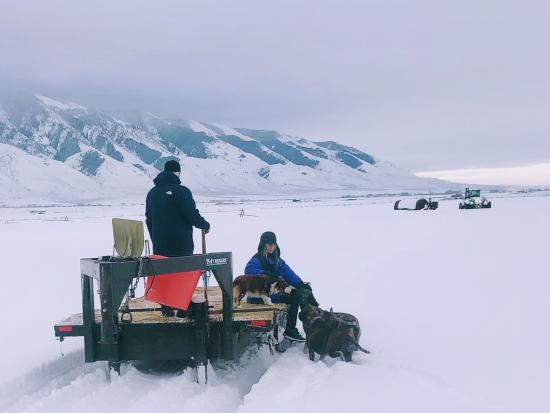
(170, 215)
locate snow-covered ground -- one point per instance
(453, 305)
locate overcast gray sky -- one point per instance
(428, 84)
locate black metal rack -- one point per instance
(115, 341)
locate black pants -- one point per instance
(292, 315)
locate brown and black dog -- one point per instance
(329, 333)
(344, 336)
(258, 286)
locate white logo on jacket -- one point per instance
(169, 193)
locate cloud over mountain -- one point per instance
(111, 156)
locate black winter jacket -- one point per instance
(171, 214)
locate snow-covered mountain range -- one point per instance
(64, 152)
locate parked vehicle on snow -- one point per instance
(420, 204)
(474, 200)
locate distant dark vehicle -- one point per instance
(421, 204)
(474, 200)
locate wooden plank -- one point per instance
(149, 312)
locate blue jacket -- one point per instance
(254, 267)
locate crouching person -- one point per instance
(268, 261)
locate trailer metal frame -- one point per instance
(109, 337)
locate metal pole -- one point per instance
(200, 314)
(109, 314)
(205, 312)
(88, 317)
(204, 274)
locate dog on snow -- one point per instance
(316, 329)
(330, 333)
(345, 332)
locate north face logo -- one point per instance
(169, 193)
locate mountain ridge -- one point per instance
(128, 149)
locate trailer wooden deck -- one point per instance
(148, 312)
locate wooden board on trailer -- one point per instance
(148, 312)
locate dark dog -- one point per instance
(329, 333)
(344, 335)
(316, 329)
(259, 286)
(305, 296)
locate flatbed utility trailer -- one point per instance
(135, 330)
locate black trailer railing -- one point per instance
(134, 330)
(115, 277)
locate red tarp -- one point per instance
(174, 290)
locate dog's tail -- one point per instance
(362, 349)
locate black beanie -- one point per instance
(172, 166)
(267, 237)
